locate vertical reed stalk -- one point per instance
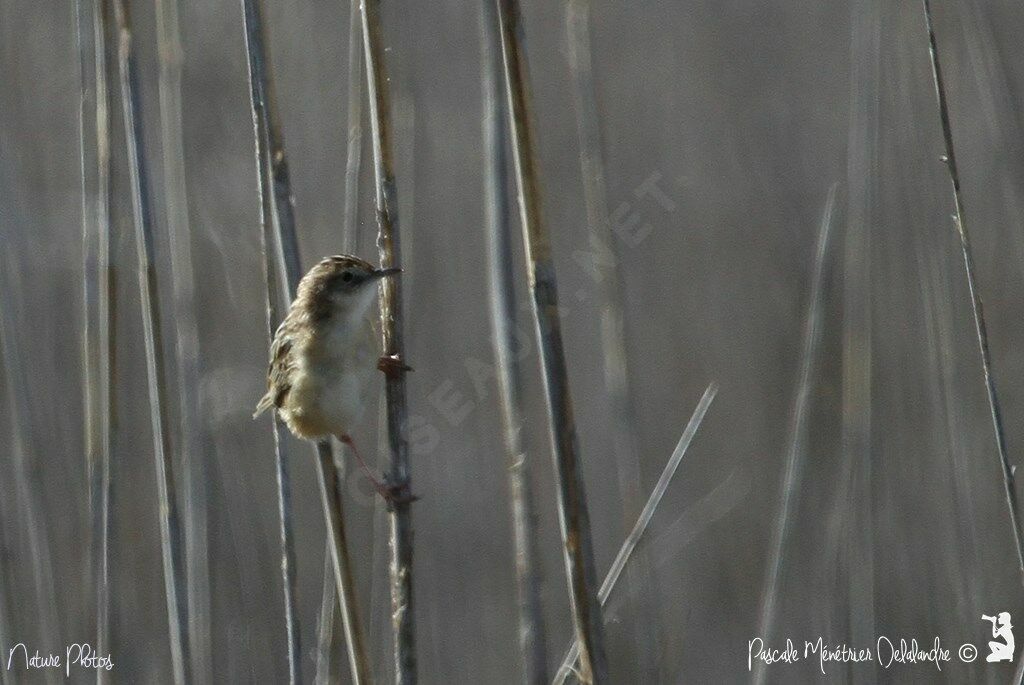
(354, 121)
(644, 520)
(276, 302)
(501, 298)
(325, 621)
(276, 208)
(89, 167)
(792, 479)
(977, 310)
(344, 579)
(94, 135)
(28, 486)
(642, 582)
(857, 337)
(170, 532)
(5, 627)
(286, 245)
(349, 244)
(398, 476)
(572, 506)
(187, 351)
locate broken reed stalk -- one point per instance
(977, 310)
(392, 343)
(194, 451)
(98, 286)
(646, 620)
(795, 456)
(502, 301)
(572, 505)
(170, 531)
(276, 208)
(644, 520)
(349, 244)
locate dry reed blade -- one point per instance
(325, 620)
(194, 449)
(354, 121)
(344, 579)
(502, 304)
(392, 343)
(170, 531)
(644, 520)
(28, 487)
(98, 285)
(857, 331)
(574, 518)
(5, 629)
(646, 621)
(349, 244)
(792, 478)
(276, 300)
(977, 309)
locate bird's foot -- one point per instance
(392, 365)
(395, 494)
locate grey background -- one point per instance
(744, 113)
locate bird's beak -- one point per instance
(381, 273)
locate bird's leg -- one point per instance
(393, 493)
(347, 440)
(392, 365)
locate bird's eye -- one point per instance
(347, 277)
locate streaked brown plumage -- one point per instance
(324, 352)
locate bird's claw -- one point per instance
(395, 494)
(392, 365)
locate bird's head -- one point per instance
(342, 284)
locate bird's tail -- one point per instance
(266, 403)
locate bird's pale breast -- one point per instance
(333, 372)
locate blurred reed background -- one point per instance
(769, 175)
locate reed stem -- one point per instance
(977, 309)
(98, 285)
(392, 343)
(152, 325)
(501, 298)
(277, 208)
(344, 579)
(276, 301)
(27, 481)
(349, 245)
(792, 480)
(643, 587)
(644, 520)
(572, 507)
(354, 123)
(195, 452)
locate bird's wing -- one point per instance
(280, 372)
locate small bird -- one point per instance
(323, 355)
